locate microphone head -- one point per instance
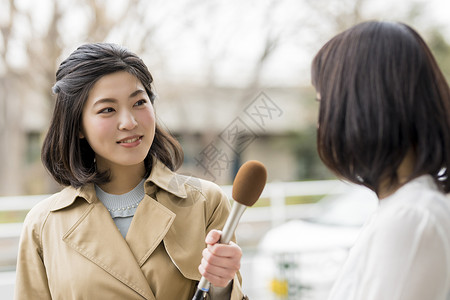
(249, 182)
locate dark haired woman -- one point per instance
(125, 226)
(384, 122)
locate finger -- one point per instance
(232, 263)
(223, 271)
(216, 276)
(213, 237)
(224, 250)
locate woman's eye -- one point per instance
(140, 102)
(106, 110)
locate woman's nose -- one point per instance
(127, 121)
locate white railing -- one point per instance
(277, 212)
(16, 203)
(277, 192)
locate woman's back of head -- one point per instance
(382, 95)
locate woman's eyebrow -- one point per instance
(104, 100)
(137, 92)
(111, 100)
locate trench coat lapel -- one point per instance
(149, 226)
(108, 251)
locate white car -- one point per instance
(300, 259)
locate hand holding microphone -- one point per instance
(220, 262)
(247, 187)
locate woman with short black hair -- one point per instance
(384, 122)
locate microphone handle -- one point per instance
(230, 226)
(232, 222)
(199, 295)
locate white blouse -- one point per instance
(403, 251)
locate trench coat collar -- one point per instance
(68, 196)
(167, 180)
(160, 176)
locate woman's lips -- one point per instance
(131, 141)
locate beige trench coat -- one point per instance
(70, 248)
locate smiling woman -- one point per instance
(125, 218)
(118, 122)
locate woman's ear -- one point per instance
(81, 135)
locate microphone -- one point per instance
(247, 187)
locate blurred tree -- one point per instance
(339, 15)
(32, 40)
(433, 35)
(441, 50)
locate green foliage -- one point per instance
(13, 216)
(305, 149)
(441, 50)
(292, 200)
(303, 199)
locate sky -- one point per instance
(235, 33)
(222, 41)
